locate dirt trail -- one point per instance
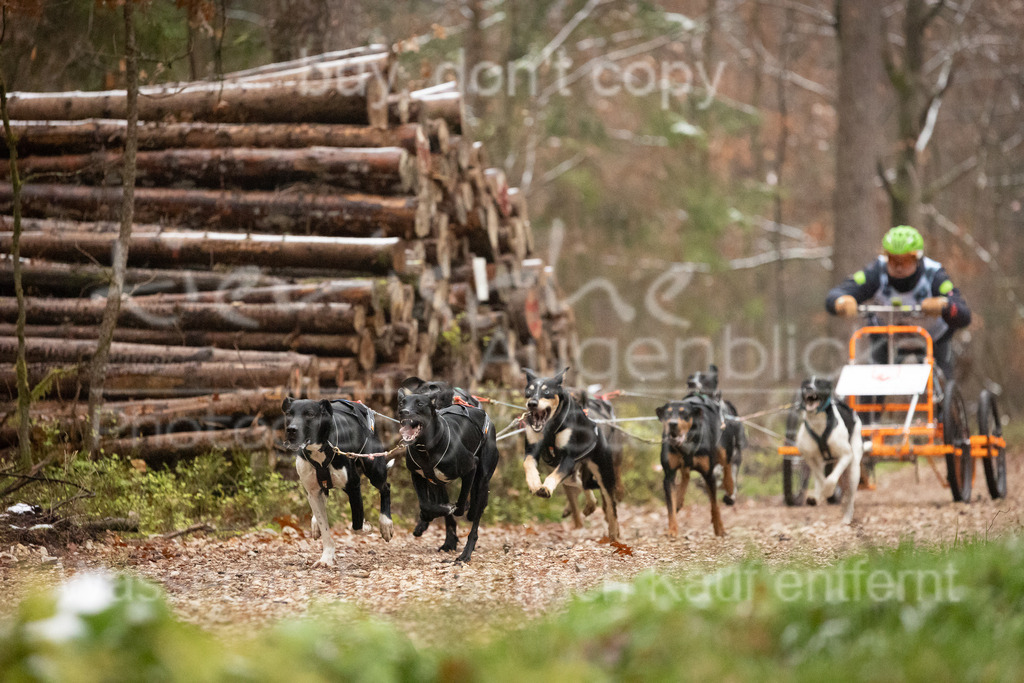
(242, 583)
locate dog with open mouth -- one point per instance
(692, 439)
(319, 432)
(559, 433)
(442, 444)
(829, 436)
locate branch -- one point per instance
(931, 114)
(886, 185)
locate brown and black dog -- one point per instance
(692, 438)
(560, 434)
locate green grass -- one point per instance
(900, 615)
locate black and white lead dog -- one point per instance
(829, 434)
(316, 431)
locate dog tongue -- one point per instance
(408, 432)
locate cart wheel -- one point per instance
(957, 432)
(795, 472)
(990, 426)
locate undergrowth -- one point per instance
(897, 615)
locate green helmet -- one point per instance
(902, 239)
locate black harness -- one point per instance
(845, 411)
(549, 456)
(423, 463)
(704, 434)
(362, 415)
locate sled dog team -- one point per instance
(446, 436)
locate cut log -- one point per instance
(497, 186)
(358, 100)
(336, 215)
(166, 449)
(342, 345)
(70, 280)
(446, 106)
(377, 65)
(277, 67)
(69, 351)
(90, 135)
(388, 170)
(368, 292)
(138, 380)
(360, 255)
(317, 318)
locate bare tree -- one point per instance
(21, 367)
(97, 369)
(859, 138)
(917, 102)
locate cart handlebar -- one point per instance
(914, 309)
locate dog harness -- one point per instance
(832, 407)
(429, 470)
(323, 469)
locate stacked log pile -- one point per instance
(300, 229)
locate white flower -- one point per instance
(86, 594)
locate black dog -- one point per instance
(444, 395)
(692, 438)
(317, 430)
(602, 412)
(560, 433)
(734, 436)
(443, 444)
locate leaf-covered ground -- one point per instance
(238, 584)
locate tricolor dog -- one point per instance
(829, 434)
(693, 439)
(559, 433)
(443, 444)
(705, 383)
(318, 431)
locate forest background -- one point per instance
(698, 172)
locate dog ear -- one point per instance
(713, 369)
(287, 403)
(530, 374)
(561, 376)
(660, 411)
(325, 405)
(412, 383)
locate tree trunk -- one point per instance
(21, 368)
(314, 318)
(354, 344)
(336, 215)
(388, 170)
(859, 139)
(360, 100)
(65, 351)
(370, 255)
(166, 380)
(165, 449)
(119, 257)
(81, 137)
(78, 280)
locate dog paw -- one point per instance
(543, 492)
(811, 500)
(325, 561)
(589, 508)
(728, 500)
(387, 528)
(421, 526)
(448, 547)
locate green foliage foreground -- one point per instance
(906, 614)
